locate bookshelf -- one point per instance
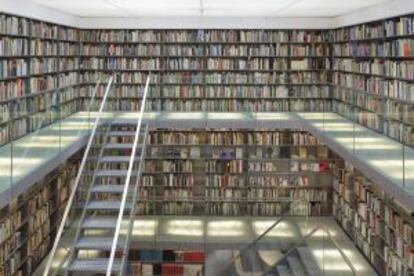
(36, 58)
(212, 70)
(167, 262)
(29, 223)
(380, 228)
(373, 76)
(235, 173)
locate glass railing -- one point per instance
(35, 139)
(272, 237)
(381, 134)
(317, 253)
(294, 246)
(69, 229)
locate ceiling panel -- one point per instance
(83, 7)
(326, 8)
(286, 8)
(158, 7)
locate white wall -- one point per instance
(29, 9)
(207, 22)
(32, 10)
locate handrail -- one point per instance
(134, 199)
(127, 180)
(323, 228)
(270, 228)
(78, 176)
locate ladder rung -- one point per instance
(98, 265)
(110, 189)
(100, 222)
(96, 243)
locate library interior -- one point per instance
(207, 137)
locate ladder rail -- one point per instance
(75, 186)
(134, 200)
(91, 183)
(127, 180)
(305, 238)
(78, 230)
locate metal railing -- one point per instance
(78, 177)
(127, 182)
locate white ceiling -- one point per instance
(191, 8)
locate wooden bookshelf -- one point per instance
(29, 223)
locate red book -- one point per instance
(194, 257)
(323, 166)
(172, 269)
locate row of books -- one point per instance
(246, 50)
(267, 194)
(8, 228)
(43, 30)
(178, 194)
(366, 101)
(201, 36)
(125, 50)
(223, 167)
(395, 89)
(210, 92)
(400, 131)
(13, 46)
(246, 105)
(67, 49)
(177, 166)
(10, 68)
(388, 49)
(267, 138)
(242, 64)
(252, 105)
(40, 66)
(43, 48)
(67, 64)
(400, 111)
(194, 64)
(400, 26)
(120, 36)
(210, 50)
(120, 64)
(69, 34)
(13, 25)
(398, 69)
(253, 92)
(20, 47)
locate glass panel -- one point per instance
(6, 150)
(272, 237)
(79, 124)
